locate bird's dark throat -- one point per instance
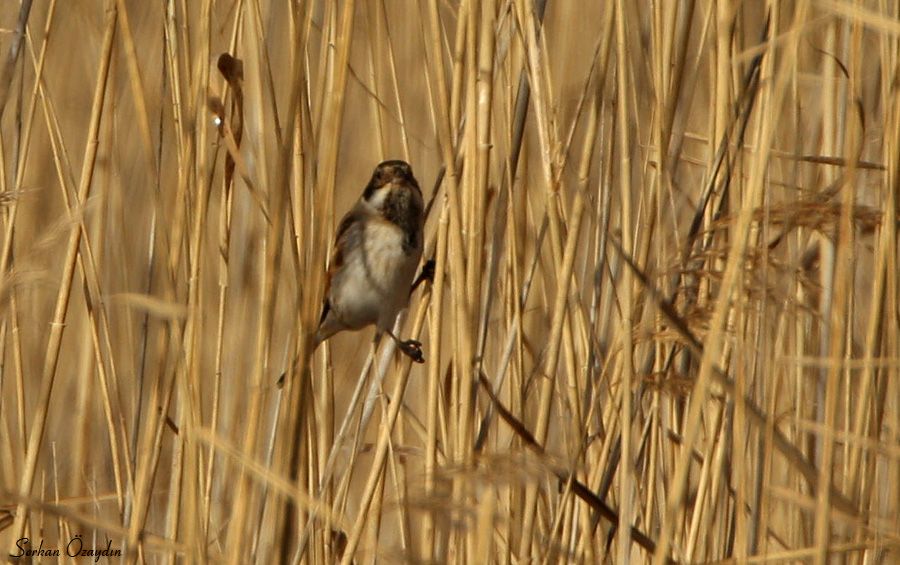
(401, 207)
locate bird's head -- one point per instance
(389, 177)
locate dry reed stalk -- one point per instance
(721, 310)
(224, 242)
(48, 374)
(387, 426)
(11, 213)
(98, 320)
(626, 378)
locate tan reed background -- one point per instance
(664, 323)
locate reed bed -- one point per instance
(664, 324)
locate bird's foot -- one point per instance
(412, 349)
(427, 275)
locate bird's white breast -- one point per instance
(377, 274)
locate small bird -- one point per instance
(377, 249)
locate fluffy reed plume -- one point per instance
(663, 324)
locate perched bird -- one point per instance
(377, 249)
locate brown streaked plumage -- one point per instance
(377, 249)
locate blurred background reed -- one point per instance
(664, 322)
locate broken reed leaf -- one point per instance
(230, 67)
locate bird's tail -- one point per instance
(317, 339)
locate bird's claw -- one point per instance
(428, 271)
(413, 349)
(427, 275)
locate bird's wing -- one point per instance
(349, 235)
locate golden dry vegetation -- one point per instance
(664, 323)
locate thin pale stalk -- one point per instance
(51, 359)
